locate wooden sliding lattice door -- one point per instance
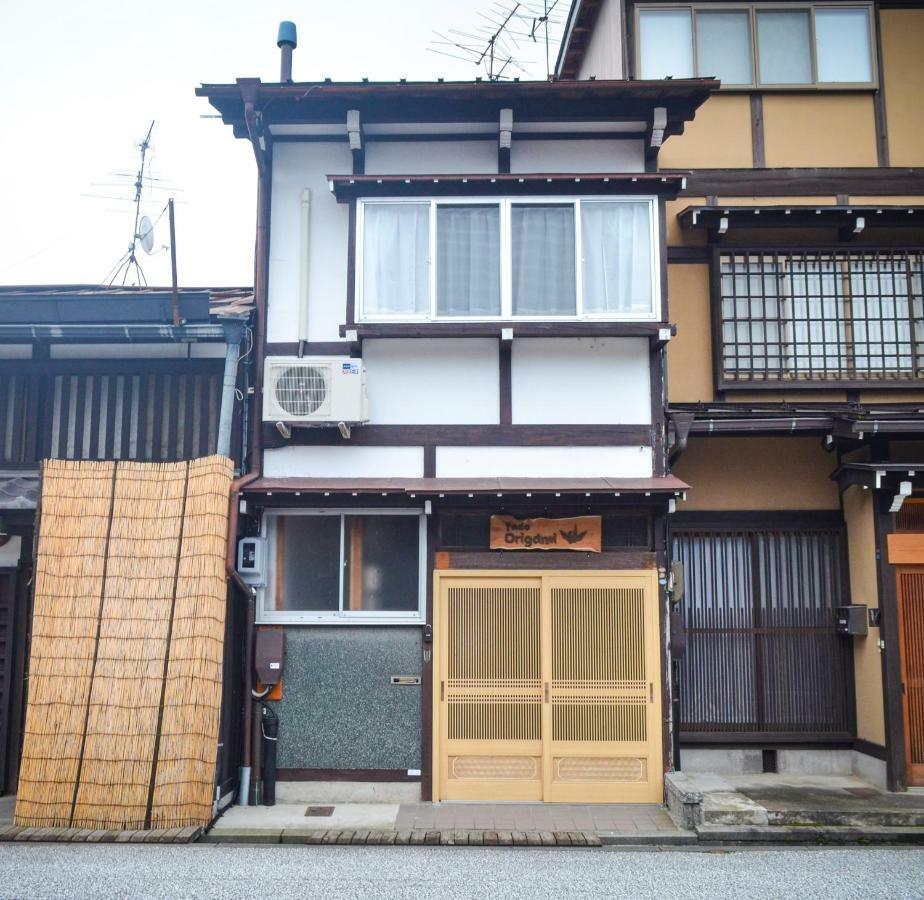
(548, 687)
(911, 638)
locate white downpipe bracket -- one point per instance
(304, 249)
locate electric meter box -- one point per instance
(251, 559)
(852, 619)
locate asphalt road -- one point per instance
(90, 871)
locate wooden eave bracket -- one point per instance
(655, 133)
(662, 337)
(258, 135)
(504, 140)
(357, 139)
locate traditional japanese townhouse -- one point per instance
(795, 273)
(96, 373)
(458, 508)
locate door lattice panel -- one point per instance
(547, 686)
(911, 596)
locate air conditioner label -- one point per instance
(349, 368)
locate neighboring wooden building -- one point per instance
(796, 379)
(95, 373)
(466, 314)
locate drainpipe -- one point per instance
(234, 333)
(256, 446)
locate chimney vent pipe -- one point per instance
(286, 41)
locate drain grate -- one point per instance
(319, 811)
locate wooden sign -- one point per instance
(577, 533)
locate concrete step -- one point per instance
(856, 818)
(795, 834)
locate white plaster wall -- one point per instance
(584, 381)
(625, 155)
(543, 462)
(603, 56)
(431, 157)
(343, 461)
(297, 166)
(432, 381)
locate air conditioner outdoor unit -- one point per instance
(320, 390)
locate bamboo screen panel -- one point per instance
(599, 687)
(763, 656)
(127, 645)
(911, 595)
(494, 689)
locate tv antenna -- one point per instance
(142, 229)
(506, 40)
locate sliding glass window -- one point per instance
(530, 258)
(775, 45)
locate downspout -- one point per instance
(256, 447)
(234, 333)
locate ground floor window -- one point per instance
(763, 656)
(332, 566)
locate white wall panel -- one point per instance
(296, 167)
(431, 157)
(585, 381)
(577, 156)
(603, 56)
(343, 461)
(543, 462)
(432, 381)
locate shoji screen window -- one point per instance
(330, 567)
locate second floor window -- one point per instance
(822, 316)
(765, 45)
(546, 258)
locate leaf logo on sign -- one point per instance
(573, 536)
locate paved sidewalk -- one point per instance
(609, 818)
(501, 824)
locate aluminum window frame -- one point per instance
(753, 9)
(265, 615)
(505, 205)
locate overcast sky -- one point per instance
(83, 80)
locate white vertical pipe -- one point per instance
(304, 266)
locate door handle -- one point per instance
(442, 691)
(651, 692)
(545, 691)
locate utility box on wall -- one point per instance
(852, 619)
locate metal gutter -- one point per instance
(129, 333)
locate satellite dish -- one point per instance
(146, 234)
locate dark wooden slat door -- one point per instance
(911, 637)
(7, 649)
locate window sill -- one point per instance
(521, 329)
(823, 384)
(414, 619)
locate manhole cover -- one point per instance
(319, 811)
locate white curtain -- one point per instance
(543, 260)
(816, 332)
(751, 335)
(396, 248)
(881, 313)
(616, 243)
(468, 260)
